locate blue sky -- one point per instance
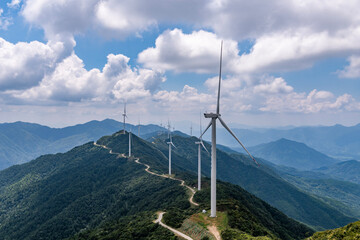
(285, 62)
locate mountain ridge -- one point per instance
(89, 188)
(292, 154)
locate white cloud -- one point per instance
(199, 51)
(71, 82)
(60, 19)
(23, 65)
(269, 94)
(14, 4)
(274, 86)
(195, 52)
(5, 22)
(353, 69)
(311, 103)
(287, 34)
(188, 100)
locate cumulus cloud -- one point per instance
(277, 85)
(313, 102)
(23, 65)
(60, 18)
(287, 34)
(71, 82)
(353, 69)
(195, 52)
(199, 51)
(270, 94)
(187, 100)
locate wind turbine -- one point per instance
(190, 129)
(200, 143)
(124, 115)
(130, 143)
(212, 123)
(170, 144)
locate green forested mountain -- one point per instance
(21, 142)
(348, 232)
(347, 170)
(88, 193)
(292, 154)
(261, 181)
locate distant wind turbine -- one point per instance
(170, 144)
(124, 115)
(130, 143)
(191, 129)
(212, 123)
(200, 143)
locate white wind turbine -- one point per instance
(130, 143)
(124, 115)
(212, 123)
(170, 144)
(200, 143)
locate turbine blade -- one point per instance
(218, 99)
(205, 129)
(173, 144)
(227, 128)
(202, 144)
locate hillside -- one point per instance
(260, 181)
(338, 141)
(347, 170)
(87, 190)
(292, 154)
(21, 142)
(349, 232)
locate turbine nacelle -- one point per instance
(212, 115)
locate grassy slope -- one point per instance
(349, 232)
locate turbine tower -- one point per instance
(212, 123)
(200, 143)
(125, 116)
(170, 144)
(130, 143)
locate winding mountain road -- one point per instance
(176, 232)
(182, 183)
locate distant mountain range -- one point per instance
(21, 142)
(336, 141)
(347, 170)
(292, 154)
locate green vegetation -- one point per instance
(250, 215)
(349, 232)
(57, 196)
(260, 181)
(138, 226)
(343, 195)
(88, 193)
(347, 170)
